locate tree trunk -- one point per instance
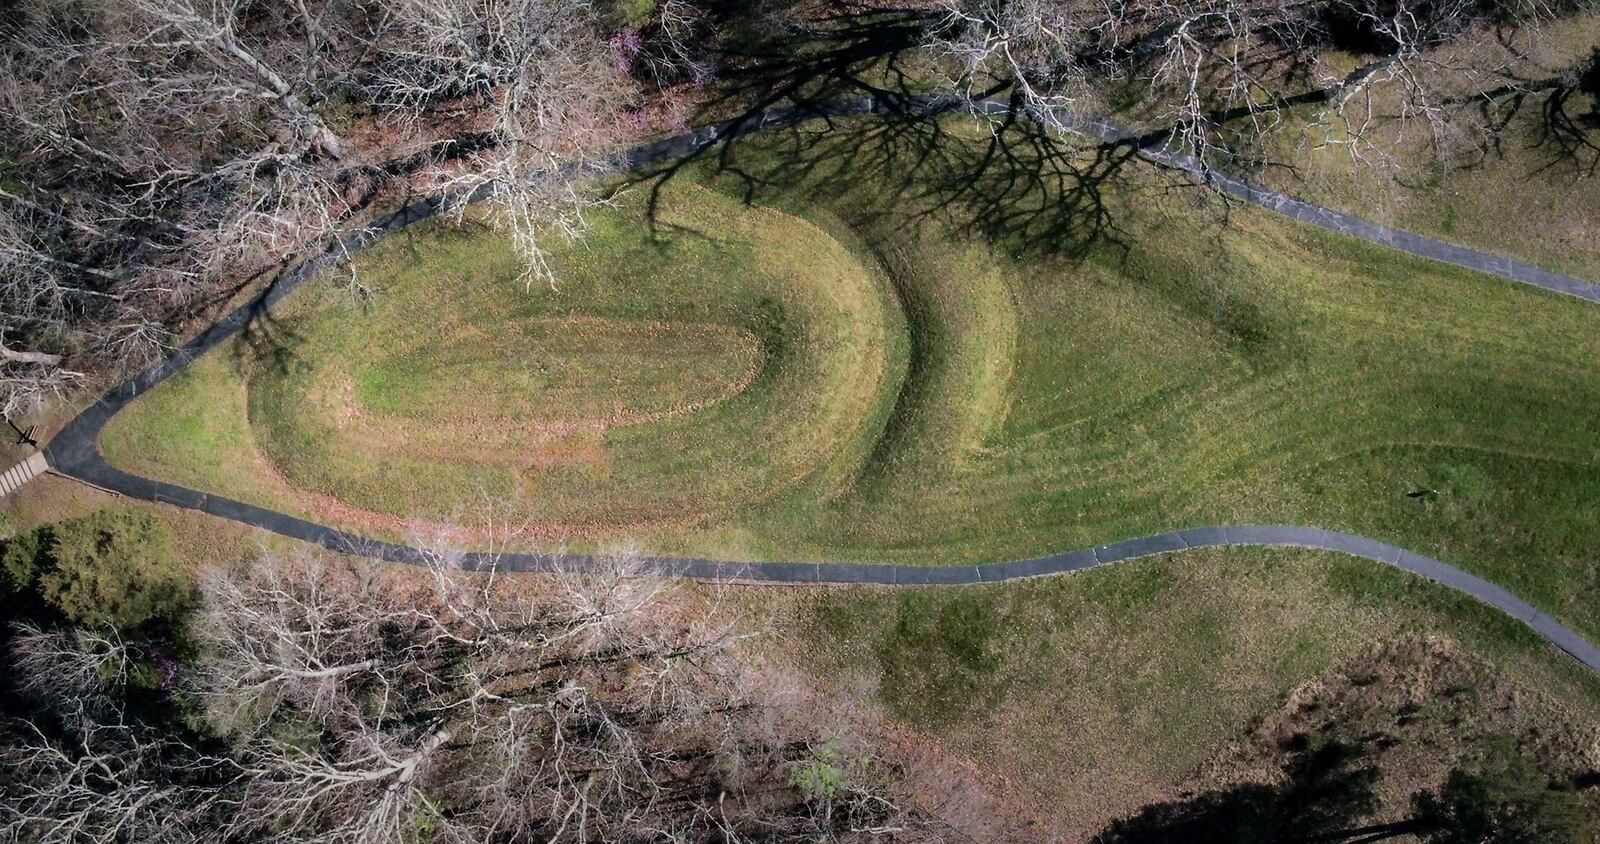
(40, 358)
(1365, 834)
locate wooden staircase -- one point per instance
(13, 478)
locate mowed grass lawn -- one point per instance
(667, 378)
(830, 374)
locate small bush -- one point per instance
(635, 14)
(823, 774)
(112, 566)
(19, 562)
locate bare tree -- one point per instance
(1434, 62)
(1218, 73)
(105, 782)
(597, 706)
(552, 90)
(1188, 60)
(677, 49)
(160, 146)
(90, 773)
(83, 666)
(359, 704)
(1035, 46)
(157, 154)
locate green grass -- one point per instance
(1096, 692)
(632, 393)
(920, 396)
(192, 431)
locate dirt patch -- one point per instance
(578, 449)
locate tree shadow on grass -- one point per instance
(1569, 125)
(1326, 789)
(265, 338)
(1560, 111)
(845, 125)
(1024, 187)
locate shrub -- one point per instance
(112, 566)
(823, 774)
(19, 562)
(634, 14)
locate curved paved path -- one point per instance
(75, 450)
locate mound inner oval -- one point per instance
(719, 357)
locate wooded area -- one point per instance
(298, 699)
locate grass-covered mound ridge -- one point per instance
(631, 394)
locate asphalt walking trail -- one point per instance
(75, 450)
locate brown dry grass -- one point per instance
(1098, 693)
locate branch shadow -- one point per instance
(820, 111)
(265, 339)
(1569, 129)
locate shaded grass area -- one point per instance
(1097, 692)
(923, 396)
